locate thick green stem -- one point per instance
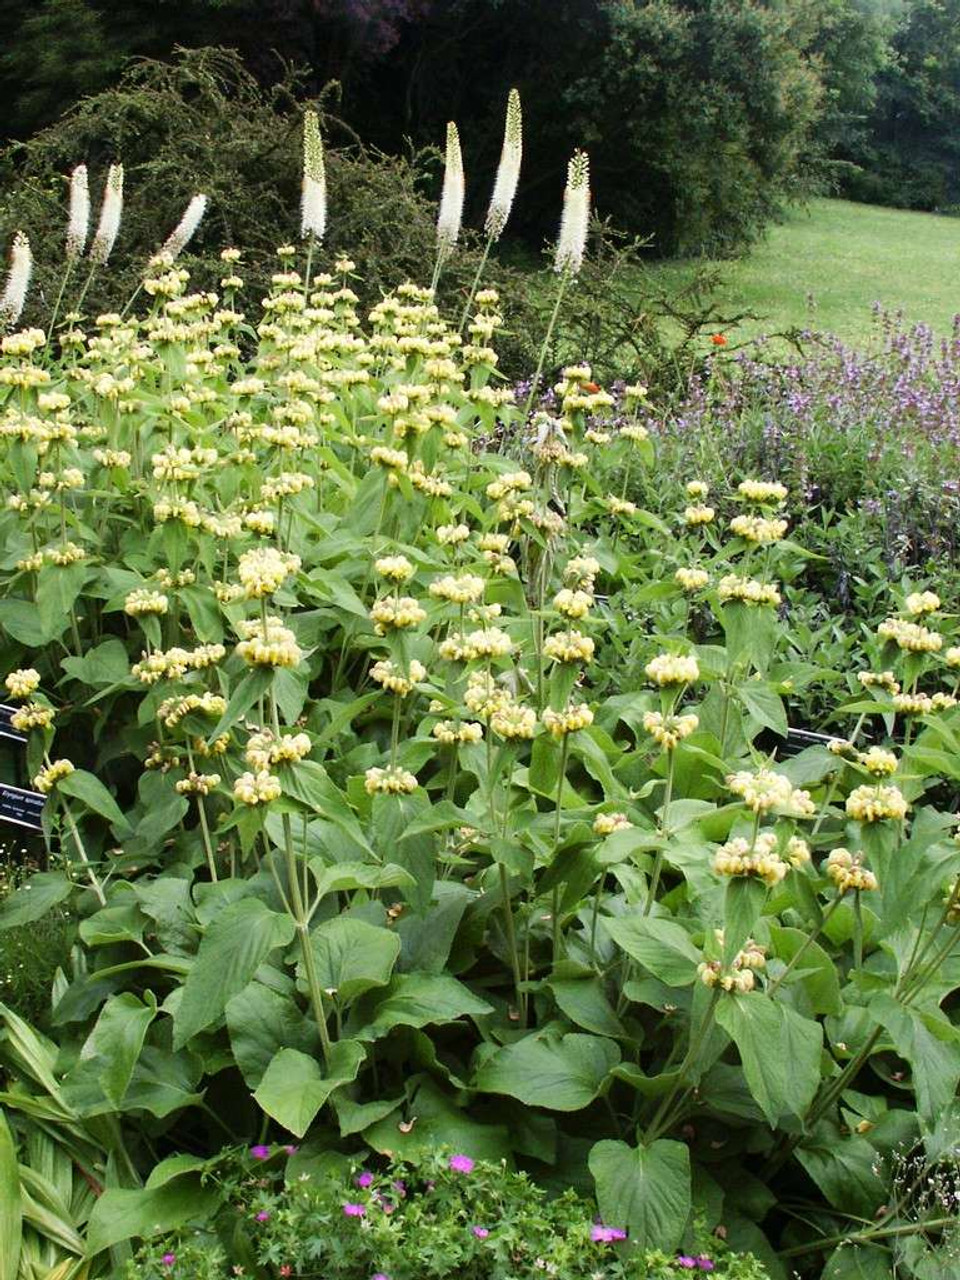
(664, 820)
(555, 899)
(535, 383)
(95, 884)
(656, 1125)
(806, 945)
(512, 945)
(476, 283)
(865, 1237)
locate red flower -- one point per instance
(719, 339)
(592, 387)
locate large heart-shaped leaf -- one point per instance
(353, 956)
(663, 947)
(294, 1086)
(644, 1189)
(779, 1049)
(562, 1073)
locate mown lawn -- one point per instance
(828, 262)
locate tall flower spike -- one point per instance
(18, 280)
(313, 199)
(78, 222)
(576, 216)
(185, 229)
(110, 213)
(451, 198)
(508, 171)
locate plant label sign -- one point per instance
(21, 807)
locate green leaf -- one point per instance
(815, 975)
(843, 1165)
(414, 1000)
(644, 1189)
(261, 1022)
(34, 899)
(560, 1073)
(742, 904)
(89, 790)
(584, 1002)
(663, 947)
(237, 942)
(779, 1049)
(121, 1214)
(106, 664)
(11, 1213)
(931, 1044)
(344, 877)
(433, 1119)
(113, 1046)
(20, 620)
(765, 705)
(860, 1262)
(57, 588)
(352, 956)
(294, 1087)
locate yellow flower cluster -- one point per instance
(668, 669)
(199, 784)
(873, 804)
(395, 613)
(880, 680)
(257, 788)
(573, 603)
(766, 791)
(390, 782)
(569, 646)
(747, 590)
(698, 514)
(172, 710)
(143, 602)
(394, 568)
(509, 483)
(740, 976)
(921, 603)
(176, 662)
(573, 718)
(910, 636)
(48, 777)
(32, 715)
(388, 674)
(878, 761)
(760, 860)
(263, 570)
(272, 646)
(797, 852)
(697, 489)
(763, 492)
(605, 824)
(692, 579)
(758, 529)
(463, 588)
(22, 683)
(489, 642)
(512, 721)
(668, 731)
(847, 871)
(266, 749)
(449, 733)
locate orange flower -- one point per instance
(719, 339)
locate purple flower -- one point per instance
(365, 1179)
(263, 1216)
(169, 1259)
(705, 1263)
(381, 1275)
(480, 1232)
(355, 1210)
(686, 1262)
(461, 1164)
(600, 1234)
(260, 1152)
(291, 1150)
(400, 1187)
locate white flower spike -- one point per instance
(78, 222)
(186, 228)
(313, 200)
(451, 198)
(508, 171)
(111, 212)
(576, 216)
(18, 280)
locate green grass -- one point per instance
(826, 264)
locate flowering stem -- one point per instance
(806, 945)
(75, 833)
(555, 900)
(475, 285)
(656, 1125)
(535, 383)
(864, 1237)
(204, 828)
(857, 930)
(512, 944)
(664, 818)
(56, 306)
